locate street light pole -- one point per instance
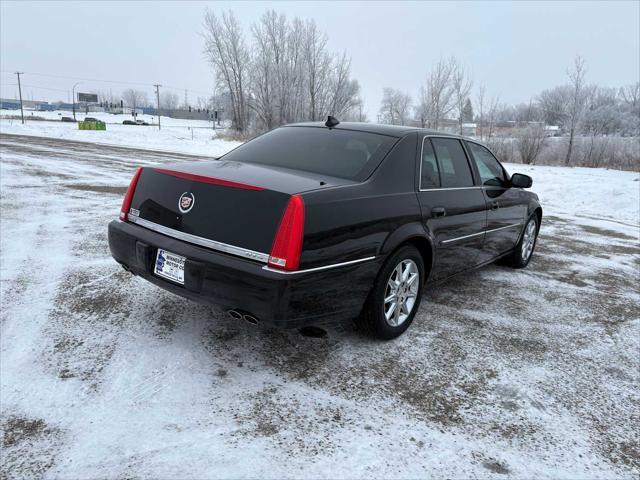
(20, 92)
(157, 85)
(73, 99)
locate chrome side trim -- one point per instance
(451, 240)
(317, 269)
(203, 242)
(504, 228)
(449, 188)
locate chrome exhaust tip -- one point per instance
(251, 319)
(236, 315)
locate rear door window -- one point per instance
(452, 161)
(429, 176)
(334, 152)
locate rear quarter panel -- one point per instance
(353, 222)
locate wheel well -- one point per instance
(538, 212)
(424, 247)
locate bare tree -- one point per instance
(169, 100)
(554, 104)
(576, 102)
(601, 118)
(278, 53)
(264, 82)
(480, 102)
(135, 98)
(293, 77)
(358, 114)
(437, 93)
(461, 88)
(630, 94)
(630, 108)
(318, 65)
(344, 91)
(493, 109)
(226, 51)
(395, 107)
(529, 142)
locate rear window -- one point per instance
(337, 153)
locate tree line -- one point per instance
(280, 70)
(596, 126)
(136, 98)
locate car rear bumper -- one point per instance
(288, 300)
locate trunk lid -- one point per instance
(235, 206)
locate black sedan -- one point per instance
(322, 222)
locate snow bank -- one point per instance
(586, 194)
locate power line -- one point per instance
(34, 86)
(121, 82)
(66, 77)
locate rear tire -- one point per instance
(395, 297)
(523, 251)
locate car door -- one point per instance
(506, 206)
(453, 207)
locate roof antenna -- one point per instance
(331, 122)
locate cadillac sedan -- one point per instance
(316, 223)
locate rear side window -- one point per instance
(338, 153)
(429, 176)
(490, 170)
(454, 167)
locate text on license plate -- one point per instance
(169, 265)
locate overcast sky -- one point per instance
(517, 49)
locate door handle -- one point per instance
(495, 205)
(438, 212)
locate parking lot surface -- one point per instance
(524, 373)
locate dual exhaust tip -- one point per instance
(240, 315)
(313, 332)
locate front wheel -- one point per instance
(524, 249)
(395, 297)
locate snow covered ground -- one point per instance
(528, 373)
(186, 136)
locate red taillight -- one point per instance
(126, 203)
(287, 245)
(210, 180)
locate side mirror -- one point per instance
(520, 180)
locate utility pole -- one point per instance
(20, 91)
(157, 85)
(73, 99)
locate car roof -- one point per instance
(379, 128)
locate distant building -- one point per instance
(552, 130)
(14, 104)
(469, 129)
(7, 104)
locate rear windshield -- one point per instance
(337, 153)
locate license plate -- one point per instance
(169, 265)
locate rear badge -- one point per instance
(186, 202)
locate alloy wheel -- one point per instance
(401, 292)
(528, 239)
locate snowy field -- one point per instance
(176, 135)
(528, 373)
